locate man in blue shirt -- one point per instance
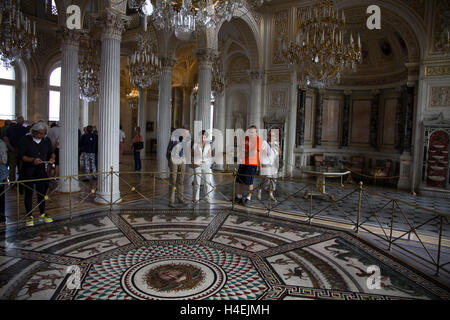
(12, 137)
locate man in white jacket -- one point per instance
(270, 152)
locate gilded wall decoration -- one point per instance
(440, 97)
(441, 26)
(281, 31)
(279, 78)
(238, 79)
(437, 71)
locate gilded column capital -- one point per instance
(167, 63)
(70, 38)
(206, 56)
(112, 23)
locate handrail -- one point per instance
(354, 218)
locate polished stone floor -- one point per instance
(142, 249)
(213, 254)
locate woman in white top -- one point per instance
(269, 157)
(202, 167)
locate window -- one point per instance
(54, 95)
(7, 93)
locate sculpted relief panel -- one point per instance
(440, 97)
(280, 31)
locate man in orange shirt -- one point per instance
(248, 165)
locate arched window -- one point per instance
(7, 93)
(54, 94)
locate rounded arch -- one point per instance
(400, 17)
(248, 27)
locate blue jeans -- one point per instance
(137, 161)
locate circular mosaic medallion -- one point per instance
(173, 277)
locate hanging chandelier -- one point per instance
(144, 65)
(17, 36)
(319, 48)
(133, 98)
(184, 17)
(88, 72)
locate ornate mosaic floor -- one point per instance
(209, 254)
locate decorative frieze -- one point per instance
(437, 71)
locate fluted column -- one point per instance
(291, 125)
(301, 108)
(205, 60)
(84, 115)
(142, 118)
(318, 118)
(406, 160)
(164, 115)
(374, 119)
(186, 106)
(220, 123)
(112, 24)
(255, 116)
(69, 110)
(346, 120)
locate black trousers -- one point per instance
(41, 189)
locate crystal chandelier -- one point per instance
(133, 98)
(144, 64)
(319, 48)
(17, 37)
(88, 71)
(183, 17)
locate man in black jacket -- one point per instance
(88, 144)
(35, 149)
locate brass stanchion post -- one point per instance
(18, 204)
(154, 191)
(234, 189)
(359, 205)
(270, 193)
(111, 194)
(438, 265)
(70, 197)
(392, 224)
(310, 204)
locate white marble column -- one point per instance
(291, 126)
(205, 59)
(186, 106)
(142, 118)
(164, 116)
(255, 116)
(220, 123)
(112, 24)
(69, 111)
(84, 115)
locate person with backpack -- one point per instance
(88, 144)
